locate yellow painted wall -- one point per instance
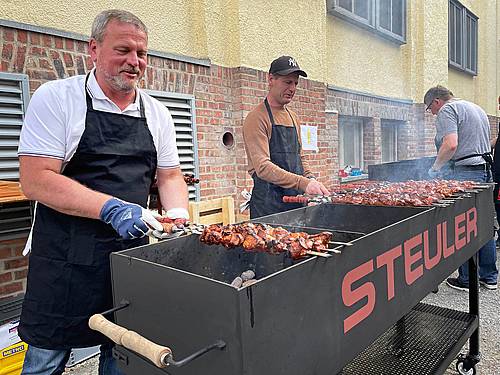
(175, 26)
(270, 29)
(359, 60)
(252, 33)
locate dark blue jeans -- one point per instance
(52, 362)
(488, 271)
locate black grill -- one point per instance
(304, 317)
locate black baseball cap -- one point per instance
(285, 65)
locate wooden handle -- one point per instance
(130, 340)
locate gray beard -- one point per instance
(119, 84)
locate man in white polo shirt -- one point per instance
(90, 148)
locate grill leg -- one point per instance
(474, 303)
(466, 362)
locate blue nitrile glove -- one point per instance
(434, 174)
(129, 219)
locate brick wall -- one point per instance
(372, 150)
(494, 126)
(13, 267)
(415, 132)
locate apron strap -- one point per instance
(88, 98)
(269, 112)
(486, 156)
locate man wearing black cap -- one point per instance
(271, 135)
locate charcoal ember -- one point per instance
(247, 275)
(237, 282)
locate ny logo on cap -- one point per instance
(292, 62)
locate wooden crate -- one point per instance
(10, 191)
(215, 211)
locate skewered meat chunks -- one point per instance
(379, 193)
(263, 238)
(170, 225)
(190, 179)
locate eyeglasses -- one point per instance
(428, 109)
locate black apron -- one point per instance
(69, 276)
(284, 151)
(496, 172)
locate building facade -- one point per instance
(369, 64)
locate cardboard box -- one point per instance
(8, 334)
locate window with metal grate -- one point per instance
(15, 217)
(13, 102)
(181, 108)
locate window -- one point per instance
(181, 108)
(360, 10)
(389, 140)
(462, 38)
(391, 17)
(350, 141)
(385, 17)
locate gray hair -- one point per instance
(437, 92)
(103, 18)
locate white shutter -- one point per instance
(13, 101)
(15, 218)
(181, 108)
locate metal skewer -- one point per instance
(472, 191)
(317, 253)
(482, 186)
(334, 251)
(440, 205)
(340, 243)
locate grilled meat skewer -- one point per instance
(377, 193)
(264, 238)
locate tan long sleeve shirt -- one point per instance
(257, 130)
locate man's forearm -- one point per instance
(443, 156)
(64, 194)
(173, 190)
(270, 172)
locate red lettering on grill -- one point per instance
(417, 255)
(387, 259)
(460, 230)
(471, 223)
(410, 259)
(429, 261)
(447, 250)
(351, 296)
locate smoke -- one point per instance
(411, 169)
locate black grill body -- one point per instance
(298, 318)
(404, 170)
